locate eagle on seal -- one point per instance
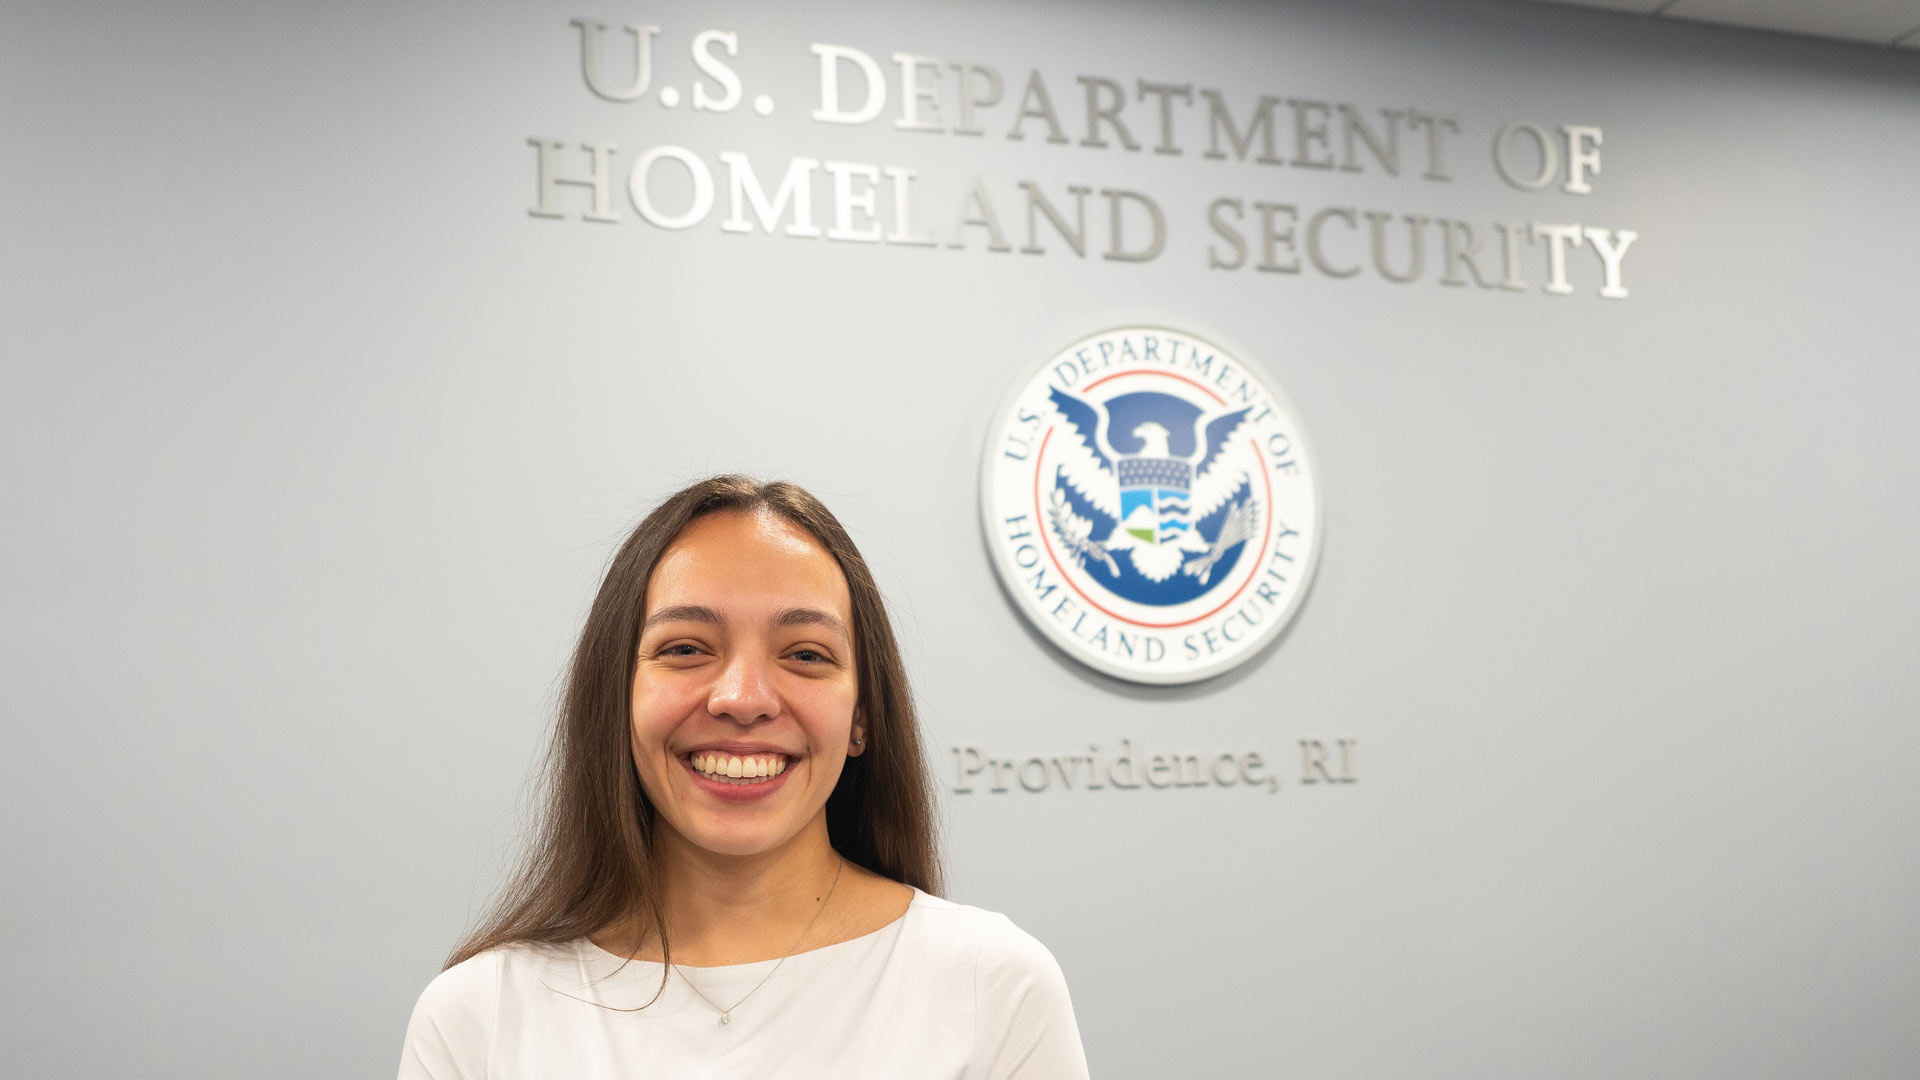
(1146, 462)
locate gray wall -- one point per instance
(315, 442)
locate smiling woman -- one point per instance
(737, 870)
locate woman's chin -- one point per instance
(735, 843)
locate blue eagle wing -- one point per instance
(1213, 490)
(1218, 431)
(1083, 463)
(1085, 420)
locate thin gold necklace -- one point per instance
(726, 1014)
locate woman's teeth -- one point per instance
(731, 769)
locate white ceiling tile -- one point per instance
(1878, 21)
(1640, 7)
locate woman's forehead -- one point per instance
(747, 565)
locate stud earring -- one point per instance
(859, 740)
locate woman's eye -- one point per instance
(679, 650)
(808, 656)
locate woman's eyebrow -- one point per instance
(798, 616)
(805, 616)
(682, 613)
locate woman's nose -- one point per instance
(744, 691)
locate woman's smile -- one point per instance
(738, 775)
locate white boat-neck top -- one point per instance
(945, 991)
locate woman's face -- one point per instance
(744, 695)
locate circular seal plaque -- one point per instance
(1151, 505)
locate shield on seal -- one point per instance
(1154, 497)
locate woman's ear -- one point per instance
(857, 739)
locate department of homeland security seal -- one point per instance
(1151, 505)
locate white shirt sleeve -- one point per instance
(451, 1033)
(1025, 1026)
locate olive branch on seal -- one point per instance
(1076, 533)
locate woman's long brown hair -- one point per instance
(592, 862)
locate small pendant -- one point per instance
(726, 1018)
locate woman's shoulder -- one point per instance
(1023, 1014)
(450, 1033)
(467, 987)
(451, 1030)
(988, 939)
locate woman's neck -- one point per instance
(738, 909)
